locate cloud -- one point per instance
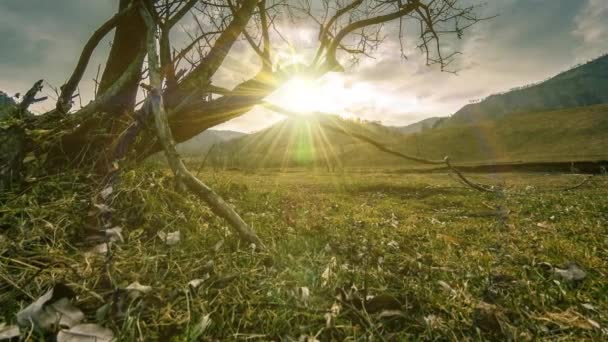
(590, 30)
(42, 39)
(591, 23)
(530, 40)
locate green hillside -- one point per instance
(303, 142)
(584, 85)
(561, 135)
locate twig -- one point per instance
(200, 168)
(30, 97)
(64, 102)
(475, 186)
(96, 80)
(574, 187)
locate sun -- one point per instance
(300, 95)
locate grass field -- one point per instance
(358, 256)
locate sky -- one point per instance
(529, 41)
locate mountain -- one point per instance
(200, 144)
(581, 86)
(573, 134)
(305, 142)
(419, 126)
(562, 119)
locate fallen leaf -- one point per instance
(391, 314)
(303, 294)
(9, 331)
(589, 307)
(435, 221)
(114, 234)
(105, 193)
(170, 238)
(136, 286)
(446, 287)
(218, 245)
(330, 316)
(544, 225)
(199, 329)
(50, 309)
(433, 321)
(102, 248)
(87, 332)
(103, 209)
(393, 244)
(594, 323)
(572, 273)
(569, 319)
(29, 158)
(328, 272)
(195, 283)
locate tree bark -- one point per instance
(129, 38)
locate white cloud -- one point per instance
(592, 23)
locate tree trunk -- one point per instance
(128, 41)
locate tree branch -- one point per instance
(217, 204)
(325, 121)
(214, 59)
(64, 102)
(331, 60)
(30, 98)
(132, 72)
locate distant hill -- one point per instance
(303, 142)
(419, 126)
(579, 133)
(574, 134)
(562, 119)
(200, 144)
(581, 86)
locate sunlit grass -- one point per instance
(389, 233)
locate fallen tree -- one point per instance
(114, 131)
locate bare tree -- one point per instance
(181, 97)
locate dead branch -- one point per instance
(482, 188)
(214, 59)
(30, 98)
(202, 165)
(64, 102)
(325, 121)
(335, 43)
(579, 185)
(132, 72)
(217, 204)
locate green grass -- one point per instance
(421, 244)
